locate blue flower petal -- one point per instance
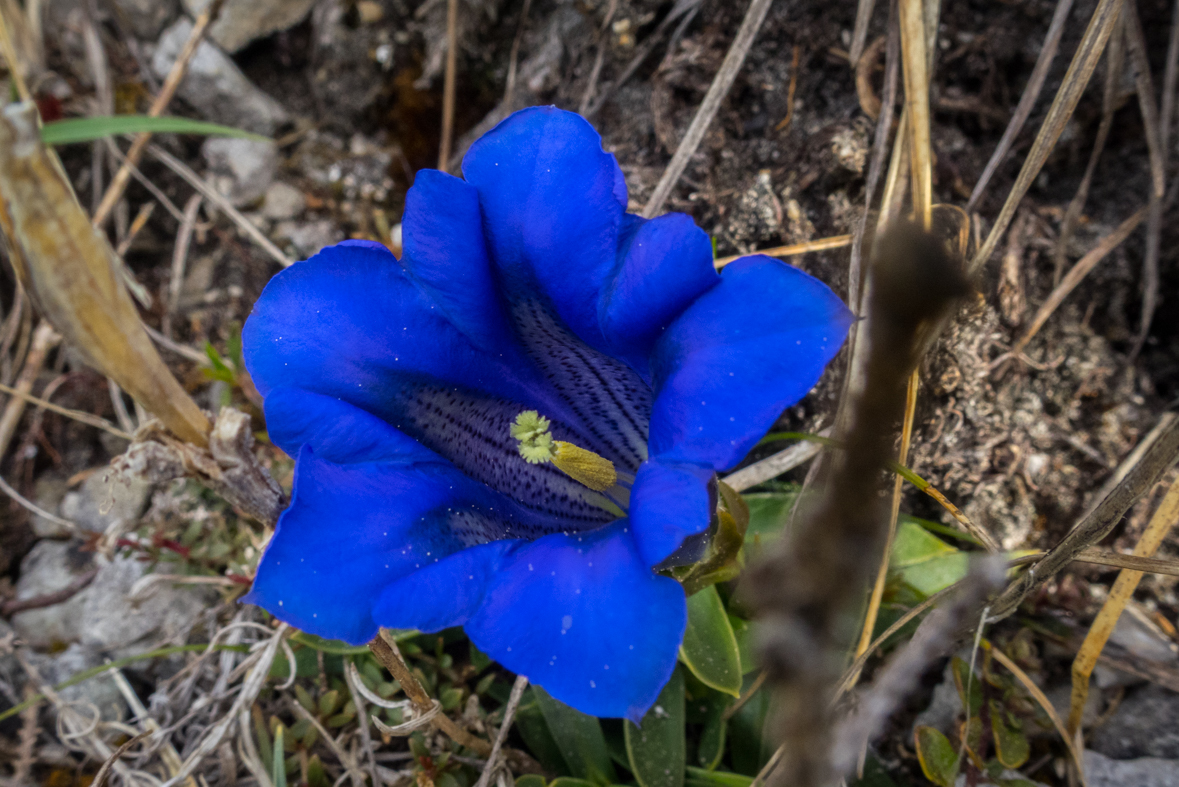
(585, 618)
(444, 594)
(349, 323)
(551, 210)
(337, 431)
(744, 351)
(353, 530)
(668, 503)
(446, 255)
(665, 264)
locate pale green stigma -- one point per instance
(538, 447)
(536, 444)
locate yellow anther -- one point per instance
(538, 447)
(584, 466)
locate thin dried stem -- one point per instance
(1081, 68)
(1159, 527)
(119, 183)
(509, 716)
(1026, 102)
(864, 10)
(385, 649)
(11, 55)
(916, 74)
(709, 106)
(1077, 274)
(819, 244)
(448, 84)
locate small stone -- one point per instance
(48, 492)
(147, 18)
(241, 169)
(1146, 724)
(52, 566)
(308, 238)
(1101, 771)
(1140, 637)
(99, 691)
(243, 21)
(283, 202)
(215, 86)
(104, 501)
(116, 624)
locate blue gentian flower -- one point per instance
(529, 309)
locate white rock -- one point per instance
(104, 500)
(242, 21)
(147, 18)
(241, 169)
(51, 566)
(307, 238)
(1101, 771)
(215, 86)
(99, 691)
(115, 624)
(283, 202)
(48, 492)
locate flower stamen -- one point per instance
(537, 446)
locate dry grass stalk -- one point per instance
(44, 340)
(915, 63)
(1098, 523)
(717, 91)
(68, 269)
(119, 183)
(1160, 525)
(1044, 703)
(385, 649)
(1100, 27)
(1077, 273)
(819, 244)
(1028, 100)
(448, 84)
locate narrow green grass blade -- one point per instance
(71, 130)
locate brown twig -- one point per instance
(119, 183)
(385, 649)
(1092, 44)
(1097, 525)
(1154, 222)
(179, 260)
(791, 87)
(105, 771)
(808, 585)
(1114, 60)
(79, 584)
(509, 716)
(717, 91)
(1077, 274)
(869, 103)
(44, 340)
(448, 84)
(820, 244)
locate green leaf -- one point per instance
(530, 780)
(743, 631)
(709, 648)
(927, 564)
(65, 132)
(711, 746)
(960, 668)
(768, 513)
(701, 777)
(279, 770)
(656, 748)
(316, 775)
(535, 732)
(914, 545)
(566, 781)
(262, 733)
(752, 739)
(1011, 745)
(939, 761)
(579, 738)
